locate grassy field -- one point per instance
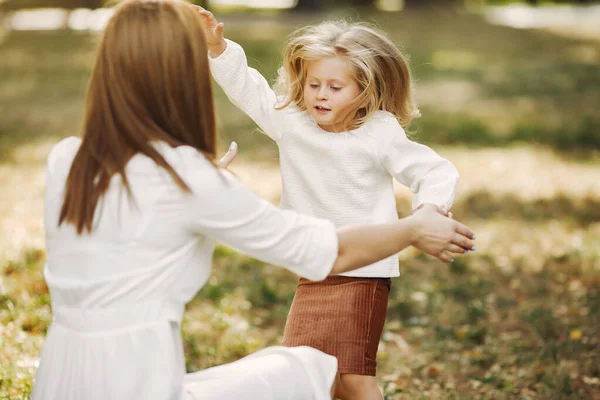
(516, 111)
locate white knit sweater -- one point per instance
(345, 177)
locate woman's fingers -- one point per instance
(463, 242)
(463, 230)
(440, 236)
(445, 257)
(229, 156)
(452, 248)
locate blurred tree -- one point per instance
(310, 5)
(360, 3)
(201, 3)
(575, 2)
(91, 3)
(411, 4)
(68, 4)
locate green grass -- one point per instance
(44, 78)
(518, 318)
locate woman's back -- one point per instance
(137, 238)
(121, 289)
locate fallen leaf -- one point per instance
(433, 372)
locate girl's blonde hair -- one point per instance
(381, 70)
(150, 82)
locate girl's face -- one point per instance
(329, 91)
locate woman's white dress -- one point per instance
(118, 294)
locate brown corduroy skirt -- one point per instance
(341, 316)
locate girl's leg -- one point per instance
(357, 387)
(338, 391)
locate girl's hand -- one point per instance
(229, 156)
(213, 31)
(437, 235)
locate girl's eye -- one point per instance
(335, 88)
(312, 85)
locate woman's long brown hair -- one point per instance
(151, 82)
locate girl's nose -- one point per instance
(322, 94)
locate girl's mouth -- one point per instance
(322, 110)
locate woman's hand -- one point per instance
(441, 209)
(438, 235)
(229, 156)
(213, 31)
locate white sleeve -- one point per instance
(247, 89)
(432, 178)
(223, 208)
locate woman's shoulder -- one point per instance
(183, 158)
(192, 166)
(63, 153)
(65, 147)
(188, 155)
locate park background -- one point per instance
(509, 91)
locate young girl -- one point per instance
(343, 98)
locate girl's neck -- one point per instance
(333, 128)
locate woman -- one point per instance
(132, 214)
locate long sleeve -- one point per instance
(432, 178)
(247, 89)
(223, 208)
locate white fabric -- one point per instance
(263, 372)
(345, 177)
(118, 294)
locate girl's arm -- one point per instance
(244, 86)
(432, 178)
